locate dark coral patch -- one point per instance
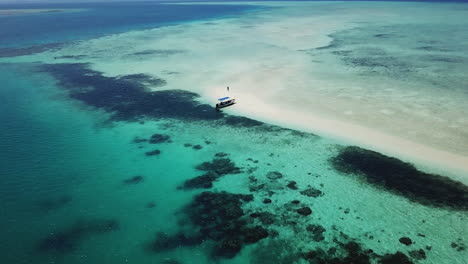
(274, 175)
(266, 218)
(153, 152)
(14, 52)
(406, 241)
(54, 203)
(312, 192)
(204, 181)
(139, 140)
(397, 258)
(159, 138)
(134, 180)
(402, 178)
(126, 97)
(164, 242)
(144, 79)
(218, 217)
(419, 254)
(197, 147)
(220, 166)
(228, 248)
(458, 245)
(241, 121)
(304, 211)
(292, 185)
(151, 205)
(317, 232)
(215, 169)
(67, 240)
(352, 253)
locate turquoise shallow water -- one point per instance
(77, 186)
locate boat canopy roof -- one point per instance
(224, 98)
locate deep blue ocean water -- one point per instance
(97, 19)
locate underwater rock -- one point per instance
(265, 218)
(292, 185)
(187, 145)
(159, 138)
(418, 254)
(240, 121)
(254, 234)
(139, 140)
(221, 155)
(54, 203)
(317, 232)
(133, 180)
(220, 166)
(397, 258)
(458, 245)
(67, 240)
(151, 205)
(153, 152)
(402, 178)
(278, 251)
(406, 240)
(266, 201)
(197, 147)
(304, 211)
(164, 242)
(312, 192)
(228, 248)
(274, 175)
(204, 181)
(295, 202)
(254, 188)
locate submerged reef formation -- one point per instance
(218, 217)
(134, 180)
(312, 192)
(127, 98)
(159, 138)
(153, 152)
(402, 178)
(218, 167)
(67, 240)
(51, 204)
(15, 52)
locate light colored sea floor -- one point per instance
(392, 80)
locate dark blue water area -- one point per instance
(97, 19)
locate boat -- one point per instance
(225, 101)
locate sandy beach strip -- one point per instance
(423, 156)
